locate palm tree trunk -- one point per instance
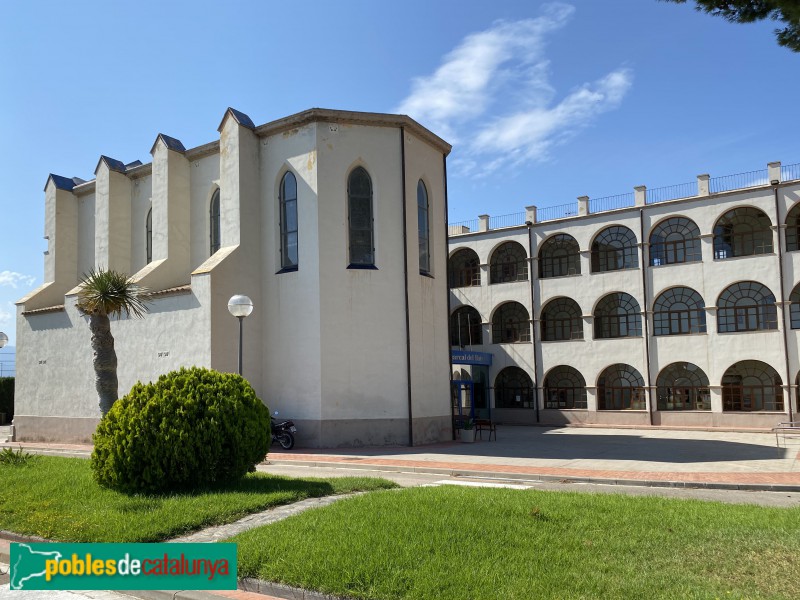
(104, 361)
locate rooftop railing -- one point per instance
(551, 213)
(703, 186)
(672, 192)
(511, 220)
(611, 202)
(790, 172)
(739, 181)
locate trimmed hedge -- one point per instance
(192, 428)
(7, 397)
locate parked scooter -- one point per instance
(283, 432)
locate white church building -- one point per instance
(332, 222)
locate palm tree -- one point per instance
(106, 293)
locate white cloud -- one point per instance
(6, 316)
(503, 71)
(13, 279)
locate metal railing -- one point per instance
(511, 220)
(611, 202)
(468, 226)
(671, 192)
(725, 183)
(790, 172)
(738, 181)
(550, 213)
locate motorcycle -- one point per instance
(283, 432)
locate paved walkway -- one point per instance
(741, 460)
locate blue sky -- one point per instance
(543, 102)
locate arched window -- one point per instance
(465, 327)
(679, 311)
(620, 387)
(617, 315)
(289, 240)
(562, 320)
(464, 269)
(359, 207)
(751, 385)
(508, 263)
(683, 386)
(423, 229)
(743, 231)
(746, 306)
(675, 240)
(564, 387)
(513, 388)
(559, 256)
(511, 324)
(793, 229)
(148, 229)
(794, 307)
(613, 249)
(214, 222)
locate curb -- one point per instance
(451, 472)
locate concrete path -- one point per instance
(221, 532)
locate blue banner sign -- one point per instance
(469, 357)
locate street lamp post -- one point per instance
(240, 306)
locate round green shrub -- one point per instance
(191, 428)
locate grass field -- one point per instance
(56, 498)
(457, 543)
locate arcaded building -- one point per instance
(675, 306)
(332, 222)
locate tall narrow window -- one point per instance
(359, 207)
(148, 227)
(423, 229)
(288, 197)
(214, 222)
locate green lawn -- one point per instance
(458, 543)
(57, 498)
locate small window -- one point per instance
(423, 228)
(359, 207)
(148, 227)
(288, 200)
(214, 222)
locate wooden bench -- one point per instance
(786, 429)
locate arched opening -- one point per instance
(617, 315)
(561, 320)
(360, 218)
(509, 262)
(743, 231)
(683, 386)
(564, 387)
(559, 256)
(620, 387)
(613, 249)
(746, 306)
(511, 324)
(679, 311)
(513, 388)
(465, 327)
(675, 240)
(214, 222)
(751, 385)
(464, 269)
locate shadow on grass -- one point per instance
(252, 483)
